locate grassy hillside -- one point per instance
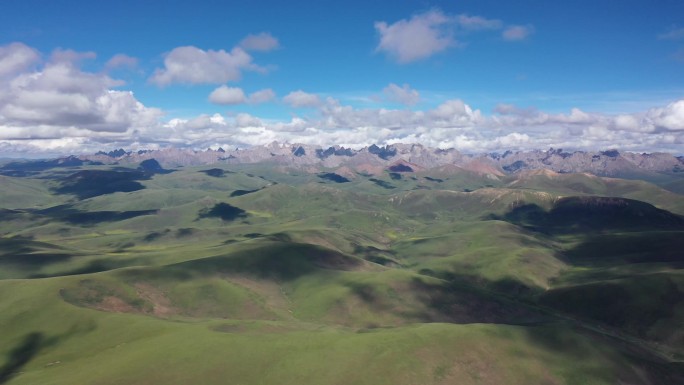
(261, 275)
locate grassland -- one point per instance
(427, 278)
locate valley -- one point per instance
(386, 270)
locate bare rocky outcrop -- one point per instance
(375, 159)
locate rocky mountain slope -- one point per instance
(374, 159)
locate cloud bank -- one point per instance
(54, 102)
(52, 105)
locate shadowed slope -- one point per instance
(90, 183)
(582, 214)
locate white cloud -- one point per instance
(338, 116)
(507, 109)
(300, 98)
(673, 34)
(670, 117)
(598, 134)
(451, 124)
(576, 116)
(55, 106)
(260, 42)
(512, 140)
(70, 56)
(628, 123)
(57, 99)
(205, 121)
(233, 95)
(121, 61)
(261, 96)
(227, 95)
(426, 34)
(456, 113)
(247, 120)
(15, 58)
(417, 38)
(517, 32)
(192, 65)
(476, 23)
(404, 94)
(510, 115)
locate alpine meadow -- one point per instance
(395, 193)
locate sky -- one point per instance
(476, 75)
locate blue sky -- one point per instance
(476, 75)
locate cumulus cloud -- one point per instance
(300, 98)
(512, 140)
(202, 122)
(510, 109)
(15, 58)
(192, 65)
(55, 106)
(70, 56)
(453, 123)
(261, 96)
(517, 32)
(432, 32)
(247, 120)
(404, 95)
(417, 38)
(513, 116)
(455, 113)
(670, 117)
(477, 23)
(260, 42)
(628, 123)
(227, 95)
(56, 100)
(121, 61)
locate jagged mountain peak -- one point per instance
(374, 158)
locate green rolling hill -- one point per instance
(247, 274)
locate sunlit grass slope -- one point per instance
(265, 275)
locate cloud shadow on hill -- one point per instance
(223, 211)
(91, 183)
(66, 213)
(22, 353)
(590, 214)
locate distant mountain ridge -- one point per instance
(374, 159)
